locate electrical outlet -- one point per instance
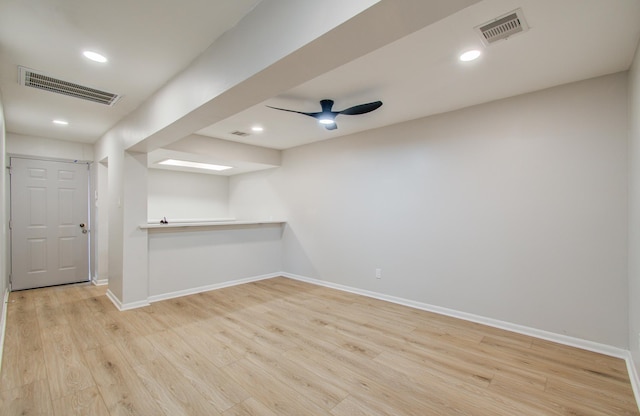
(378, 273)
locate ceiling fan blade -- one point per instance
(327, 115)
(361, 109)
(298, 112)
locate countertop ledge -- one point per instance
(212, 223)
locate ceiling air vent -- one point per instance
(502, 27)
(239, 133)
(31, 78)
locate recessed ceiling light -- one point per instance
(61, 122)
(196, 165)
(94, 56)
(257, 128)
(470, 55)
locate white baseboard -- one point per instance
(99, 282)
(3, 324)
(508, 326)
(633, 376)
(186, 292)
(193, 291)
(537, 333)
(125, 306)
(114, 299)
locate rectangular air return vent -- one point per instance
(502, 27)
(31, 78)
(239, 133)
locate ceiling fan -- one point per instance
(327, 117)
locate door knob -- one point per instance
(82, 225)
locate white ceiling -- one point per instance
(421, 75)
(148, 42)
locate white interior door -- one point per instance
(49, 223)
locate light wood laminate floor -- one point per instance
(283, 347)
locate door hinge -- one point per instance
(10, 224)
(10, 170)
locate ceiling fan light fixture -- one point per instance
(326, 120)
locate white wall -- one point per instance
(514, 210)
(634, 208)
(185, 195)
(100, 227)
(109, 151)
(182, 260)
(135, 247)
(246, 79)
(4, 219)
(18, 144)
